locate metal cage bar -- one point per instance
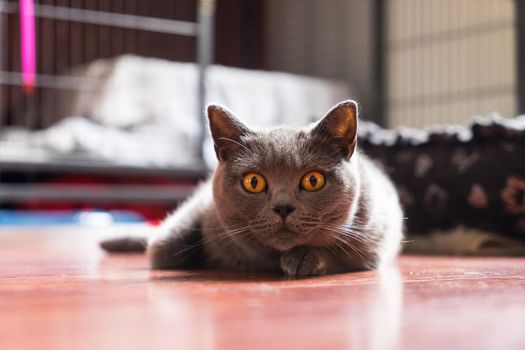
(204, 58)
(380, 82)
(520, 54)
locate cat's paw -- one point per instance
(303, 261)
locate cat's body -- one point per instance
(302, 201)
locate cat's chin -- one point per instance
(284, 241)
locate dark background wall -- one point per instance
(329, 39)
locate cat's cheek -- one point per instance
(246, 208)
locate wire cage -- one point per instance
(62, 39)
(447, 61)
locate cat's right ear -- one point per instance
(226, 131)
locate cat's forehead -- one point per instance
(281, 149)
(281, 140)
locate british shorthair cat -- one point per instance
(302, 201)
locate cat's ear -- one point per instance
(226, 131)
(339, 128)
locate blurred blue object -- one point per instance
(92, 218)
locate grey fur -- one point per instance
(354, 222)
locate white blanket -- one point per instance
(144, 111)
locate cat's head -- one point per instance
(285, 187)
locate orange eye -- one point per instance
(254, 183)
(313, 181)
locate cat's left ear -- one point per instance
(339, 127)
(226, 131)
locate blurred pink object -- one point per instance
(27, 30)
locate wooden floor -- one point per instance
(59, 291)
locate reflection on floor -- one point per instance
(59, 291)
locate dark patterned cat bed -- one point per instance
(456, 176)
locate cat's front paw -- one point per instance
(303, 261)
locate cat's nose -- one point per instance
(283, 210)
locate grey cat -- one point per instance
(301, 201)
